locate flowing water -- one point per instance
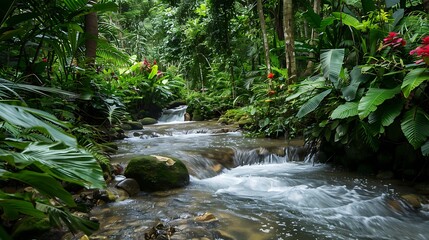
(257, 189)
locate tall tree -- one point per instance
(314, 35)
(289, 39)
(264, 34)
(91, 30)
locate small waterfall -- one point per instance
(268, 156)
(176, 114)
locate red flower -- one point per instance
(425, 40)
(393, 40)
(44, 59)
(270, 75)
(422, 51)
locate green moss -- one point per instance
(154, 175)
(148, 121)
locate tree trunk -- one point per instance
(289, 40)
(314, 35)
(426, 5)
(264, 35)
(91, 30)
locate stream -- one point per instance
(256, 189)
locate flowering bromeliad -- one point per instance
(270, 75)
(393, 40)
(422, 51)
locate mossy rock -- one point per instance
(30, 226)
(157, 173)
(126, 126)
(245, 121)
(135, 125)
(148, 121)
(197, 116)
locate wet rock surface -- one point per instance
(154, 173)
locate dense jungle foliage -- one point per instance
(348, 75)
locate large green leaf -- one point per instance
(332, 61)
(373, 98)
(415, 126)
(26, 117)
(357, 78)
(346, 110)
(425, 149)
(413, 79)
(386, 113)
(43, 182)
(312, 104)
(13, 206)
(347, 19)
(63, 162)
(307, 86)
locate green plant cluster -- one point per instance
(373, 112)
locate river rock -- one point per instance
(206, 217)
(157, 173)
(414, 200)
(135, 125)
(130, 186)
(148, 121)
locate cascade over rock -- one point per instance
(156, 173)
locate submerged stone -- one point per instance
(130, 186)
(157, 173)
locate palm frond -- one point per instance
(60, 218)
(110, 54)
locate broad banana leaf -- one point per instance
(373, 98)
(415, 126)
(332, 61)
(425, 149)
(413, 79)
(312, 104)
(386, 114)
(349, 92)
(346, 110)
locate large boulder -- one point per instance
(148, 121)
(156, 173)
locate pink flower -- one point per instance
(270, 75)
(393, 40)
(422, 51)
